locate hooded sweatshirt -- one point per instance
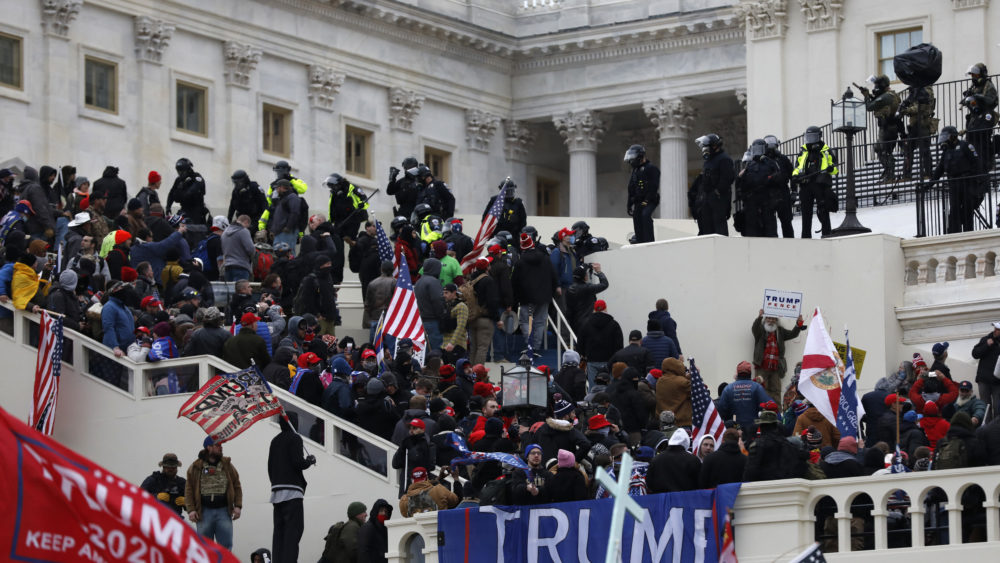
(429, 292)
(237, 248)
(110, 184)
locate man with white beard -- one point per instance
(769, 351)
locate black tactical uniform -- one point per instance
(981, 101)
(248, 199)
(753, 186)
(884, 105)
(781, 195)
(189, 191)
(710, 197)
(960, 161)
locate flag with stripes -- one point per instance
(384, 247)
(402, 318)
(486, 230)
(230, 403)
(849, 410)
(47, 367)
(705, 419)
(812, 554)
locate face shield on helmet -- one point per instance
(757, 148)
(746, 157)
(634, 155)
(813, 137)
(281, 168)
(771, 142)
(334, 181)
(947, 134)
(707, 144)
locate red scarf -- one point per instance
(771, 358)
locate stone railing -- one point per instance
(914, 516)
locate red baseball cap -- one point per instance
(308, 359)
(418, 474)
(248, 318)
(417, 423)
(598, 421)
(368, 353)
(149, 301)
(480, 369)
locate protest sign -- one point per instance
(779, 303)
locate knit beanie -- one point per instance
(931, 409)
(566, 459)
(356, 508)
(848, 444)
(813, 437)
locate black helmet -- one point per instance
(334, 181)
(435, 223)
(881, 82)
(709, 144)
(504, 237)
(581, 227)
(240, 176)
(398, 223)
(947, 134)
(183, 165)
(579, 273)
(813, 135)
(978, 73)
(757, 148)
(423, 171)
(410, 162)
(772, 142)
(634, 155)
(509, 183)
(422, 210)
(281, 168)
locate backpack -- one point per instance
(468, 291)
(262, 265)
(201, 252)
(303, 222)
(950, 454)
(496, 492)
(334, 547)
(421, 502)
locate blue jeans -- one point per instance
(236, 274)
(539, 315)
(290, 238)
(216, 524)
(593, 368)
(434, 337)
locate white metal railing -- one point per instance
(95, 361)
(559, 324)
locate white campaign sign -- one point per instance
(778, 303)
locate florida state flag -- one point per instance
(822, 370)
(60, 506)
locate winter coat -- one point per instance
(147, 197)
(373, 538)
(114, 187)
(628, 399)
(974, 407)
(65, 303)
(760, 342)
(192, 492)
(156, 252)
(441, 496)
(286, 462)
(208, 340)
(580, 299)
(413, 452)
(567, 485)
(673, 392)
(276, 372)
(158, 483)
(741, 400)
(934, 428)
(724, 465)
(987, 354)
(377, 299)
(573, 380)
(533, 278)
(673, 470)
(401, 431)
(519, 486)
(600, 337)
(975, 451)
(429, 292)
(337, 399)
(118, 324)
(42, 219)
(377, 415)
(772, 457)
(948, 392)
(237, 248)
(635, 356)
(840, 464)
(668, 325)
(660, 346)
(243, 347)
(557, 435)
(285, 216)
(812, 417)
(989, 436)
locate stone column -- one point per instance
(404, 106)
(477, 187)
(518, 139)
(673, 120)
(324, 85)
(60, 107)
(240, 62)
(765, 24)
(822, 18)
(152, 37)
(582, 131)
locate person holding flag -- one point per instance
(827, 383)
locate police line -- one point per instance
(683, 527)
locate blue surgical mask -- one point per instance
(571, 239)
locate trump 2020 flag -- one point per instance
(822, 371)
(60, 506)
(849, 409)
(230, 403)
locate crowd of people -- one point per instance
(136, 277)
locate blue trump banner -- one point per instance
(682, 527)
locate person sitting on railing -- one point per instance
(28, 288)
(425, 495)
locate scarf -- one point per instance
(771, 357)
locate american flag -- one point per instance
(230, 403)
(384, 246)
(47, 367)
(849, 410)
(812, 554)
(705, 419)
(485, 230)
(402, 318)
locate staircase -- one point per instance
(125, 429)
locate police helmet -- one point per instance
(455, 224)
(435, 223)
(947, 134)
(881, 82)
(757, 148)
(410, 162)
(282, 167)
(634, 155)
(709, 143)
(813, 135)
(240, 176)
(504, 238)
(422, 210)
(423, 171)
(978, 72)
(183, 165)
(581, 227)
(398, 223)
(334, 181)
(772, 142)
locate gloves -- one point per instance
(165, 497)
(179, 501)
(311, 459)
(393, 173)
(630, 209)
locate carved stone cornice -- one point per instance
(582, 130)
(324, 85)
(151, 38)
(404, 105)
(822, 15)
(966, 4)
(672, 117)
(764, 19)
(741, 97)
(479, 129)
(240, 62)
(518, 139)
(57, 15)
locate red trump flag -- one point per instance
(60, 506)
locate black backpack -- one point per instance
(496, 492)
(303, 223)
(334, 549)
(950, 454)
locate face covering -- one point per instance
(382, 518)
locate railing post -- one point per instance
(954, 521)
(916, 525)
(921, 212)
(843, 531)
(992, 512)
(880, 530)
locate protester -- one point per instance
(165, 485)
(213, 495)
(285, 464)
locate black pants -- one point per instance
(712, 217)
(887, 143)
(923, 146)
(980, 135)
(962, 198)
(288, 525)
(784, 209)
(642, 222)
(807, 195)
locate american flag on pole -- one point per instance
(402, 318)
(385, 247)
(230, 403)
(705, 419)
(47, 366)
(485, 230)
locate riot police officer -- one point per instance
(780, 194)
(405, 189)
(429, 225)
(282, 171)
(710, 196)
(513, 217)
(981, 101)
(753, 186)
(883, 103)
(248, 199)
(814, 171)
(189, 191)
(918, 107)
(348, 206)
(643, 192)
(434, 192)
(960, 161)
(586, 243)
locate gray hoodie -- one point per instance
(237, 248)
(429, 292)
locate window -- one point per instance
(11, 61)
(892, 43)
(547, 197)
(191, 108)
(357, 145)
(438, 161)
(277, 125)
(100, 84)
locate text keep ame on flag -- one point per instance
(230, 403)
(60, 506)
(47, 368)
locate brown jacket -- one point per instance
(192, 491)
(812, 417)
(673, 391)
(444, 498)
(760, 342)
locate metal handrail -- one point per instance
(557, 326)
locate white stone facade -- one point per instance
(483, 82)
